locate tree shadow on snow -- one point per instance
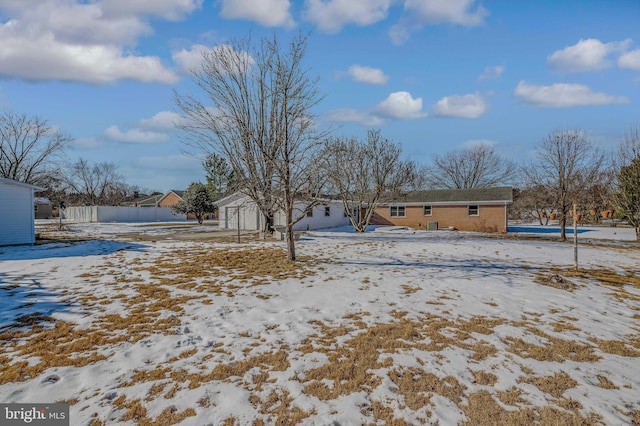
(67, 249)
(26, 302)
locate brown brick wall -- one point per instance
(491, 218)
(169, 200)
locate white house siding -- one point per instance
(239, 208)
(17, 213)
(121, 214)
(318, 220)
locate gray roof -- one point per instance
(501, 194)
(150, 201)
(18, 183)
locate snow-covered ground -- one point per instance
(425, 327)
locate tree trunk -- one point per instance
(291, 244)
(563, 225)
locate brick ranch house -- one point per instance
(477, 209)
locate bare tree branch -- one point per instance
(365, 174)
(477, 167)
(567, 164)
(258, 117)
(29, 148)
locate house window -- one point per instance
(396, 211)
(474, 210)
(310, 212)
(427, 210)
(327, 211)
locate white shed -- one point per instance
(17, 224)
(239, 208)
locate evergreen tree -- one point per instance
(197, 201)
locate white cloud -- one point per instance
(586, 55)
(270, 13)
(492, 73)
(332, 15)
(562, 95)
(461, 12)
(65, 40)
(462, 106)
(90, 142)
(401, 106)
(172, 10)
(135, 136)
(190, 59)
(367, 74)
(630, 60)
(399, 34)
(346, 115)
(164, 120)
(170, 162)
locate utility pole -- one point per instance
(575, 235)
(238, 224)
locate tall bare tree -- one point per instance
(257, 114)
(477, 167)
(366, 173)
(628, 195)
(95, 184)
(567, 164)
(29, 148)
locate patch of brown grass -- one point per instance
(279, 408)
(554, 349)
(554, 385)
(482, 409)
(512, 396)
(418, 386)
(485, 379)
(617, 347)
(409, 289)
(255, 266)
(605, 383)
(137, 412)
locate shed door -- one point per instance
(231, 217)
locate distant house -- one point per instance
(150, 201)
(478, 209)
(171, 198)
(17, 212)
(238, 209)
(42, 207)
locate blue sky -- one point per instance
(433, 75)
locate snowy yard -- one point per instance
(389, 327)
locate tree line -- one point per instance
(252, 117)
(33, 151)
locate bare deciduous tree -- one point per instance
(95, 184)
(567, 164)
(29, 148)
(628, 195)
(477, 167)
(365, 174)
(533, 202)
(258, 116)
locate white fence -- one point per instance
(121, 214)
